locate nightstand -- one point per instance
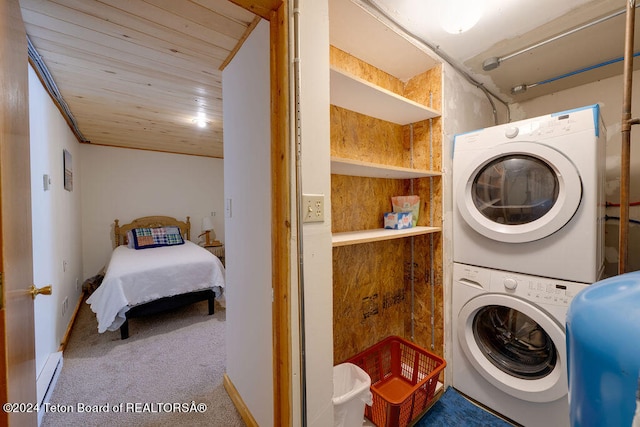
(217, 251)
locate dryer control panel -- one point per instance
(538, 128)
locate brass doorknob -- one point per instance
(46, 290)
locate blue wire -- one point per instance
(607, 217)
(602, 64)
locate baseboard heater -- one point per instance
(47, 379)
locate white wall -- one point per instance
(316, 179)
(247, 187)
(57, 258)
(608, 93)
(125, 184)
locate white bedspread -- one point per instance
(135, 277)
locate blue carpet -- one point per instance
(454, 410)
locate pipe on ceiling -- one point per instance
(516, 90)
(494, 62)
(50, 85)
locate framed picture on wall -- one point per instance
(68, 171)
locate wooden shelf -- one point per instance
(378, 234)
(351, 167)
(356, 94)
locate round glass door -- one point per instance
(519, 192)
(515, 346)
(515, 189)
(513, 342)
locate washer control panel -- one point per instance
(536, 289)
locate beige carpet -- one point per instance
(167, 373)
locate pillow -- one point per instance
(144, 238)
(130, 243)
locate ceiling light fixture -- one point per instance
(201, 120)
(458, 16)
(379, 13)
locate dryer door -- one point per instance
(519, 192)
(515, 346)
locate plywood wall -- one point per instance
(426, 88)
(343, 61)
(360, 137)
(370, 295)
(360, 203)
(377, 286)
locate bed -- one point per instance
(154, 267)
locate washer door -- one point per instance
(519, 192)
(515, 346)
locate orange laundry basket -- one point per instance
(403, 380)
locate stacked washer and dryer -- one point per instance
(528, 235)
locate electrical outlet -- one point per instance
(313, 207)
(227, 208)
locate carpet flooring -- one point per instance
(170, 361)
(454, 410)
(167, 373)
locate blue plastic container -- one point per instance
(603, 352)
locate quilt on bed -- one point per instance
(135, 277)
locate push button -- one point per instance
(511, 132)
(510, 283)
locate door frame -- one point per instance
(277, 13)
(18, 377)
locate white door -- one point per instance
(515, 346)
(519, 192)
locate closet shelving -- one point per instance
(386, 140)
(341, 166)
(368, 236)
(355, 94)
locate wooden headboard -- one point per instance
(120, 231)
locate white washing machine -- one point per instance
(529, 196)
(509, 343)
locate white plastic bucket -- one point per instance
(351, 392)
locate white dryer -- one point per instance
(529, 196)
(509, 343)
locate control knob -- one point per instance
(511, 132)
(510, 283)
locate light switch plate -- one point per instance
(313, 207)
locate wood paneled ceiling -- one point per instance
(137, 73)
